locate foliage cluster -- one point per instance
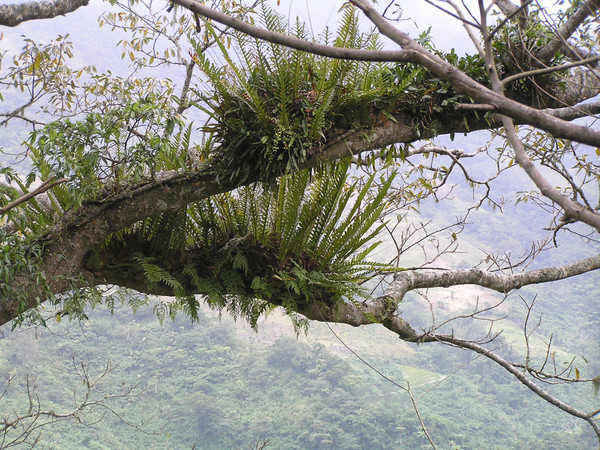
(269, 111)
(414, 91)
(18, 256)
(303, 240)
(272, 111)
(96, 156)
(120, 146)
(43, 69)
(515, 47)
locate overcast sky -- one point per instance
(417, 16)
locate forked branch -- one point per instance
(519, 374)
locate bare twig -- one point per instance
(532, 73)
(47, 185)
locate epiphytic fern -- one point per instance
(303, 240)
(271, 110)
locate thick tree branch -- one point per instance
(380, 310)
(79, 231)
(15, 14)
(576, 111)
(566, 30)
(421, 279)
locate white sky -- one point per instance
(417, 16)
(317, 14)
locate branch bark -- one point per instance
(504, 283)
(16, 14)
(576, 111)
(566, 30)
(507, 7)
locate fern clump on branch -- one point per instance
(306, 239)
(271, 107)
(270, 111)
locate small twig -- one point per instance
(417, 412)
(460, 17)
(467, 27)
(507, 18)
(47, 185)
(475, 107)
(545, 70)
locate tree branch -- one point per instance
(545, 70)
(572, 209)
(467, 26)
(546, 53)
(15, 14)
(412, 279)
(507, 7)
(520, 375)
(576, 111)
(415, 53)
(290, 41)
(79, 231)
(47, 185)
(465, 85)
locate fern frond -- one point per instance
(156, 274)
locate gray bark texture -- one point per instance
(16, 14)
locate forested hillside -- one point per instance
(218, 385)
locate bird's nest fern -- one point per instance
(305, 239)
